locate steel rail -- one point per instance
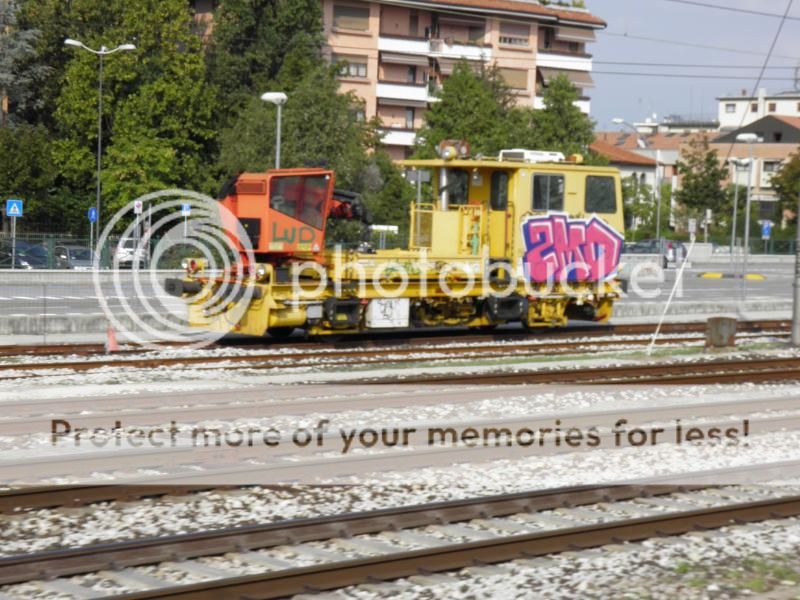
(456, 556)
(334, 357)
(417, 337)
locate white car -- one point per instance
(128, 253)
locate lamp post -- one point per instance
(278, 99)
(642, 143)
(749, 139)
(735, 163)
(101, 53)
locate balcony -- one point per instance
(417, 93)
(559, 60)
(438, 48)
(398, 137)
(585, 104)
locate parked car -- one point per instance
(127, 253)
(19, 261)
(36, 255)
(671, 251)
(78, 258)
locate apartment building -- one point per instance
(396, 53)
(741, 111)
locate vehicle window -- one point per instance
(548, 192)
(80, 254)
(457, 187)
(301, 197)
(499, 192)
(601, 195)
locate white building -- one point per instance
(740, 111)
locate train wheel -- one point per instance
(280, 333)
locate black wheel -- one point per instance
(280, 333)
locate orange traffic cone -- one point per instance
(111, 340)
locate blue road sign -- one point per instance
(13, 208)
(92, 214)
(766, 230)
(186, 209)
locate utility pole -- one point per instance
(796, 306)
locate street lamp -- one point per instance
(102, 52)
(735, 163)
(749, 139)
(642, 143)
(278, 99)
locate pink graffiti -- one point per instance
(558, 248)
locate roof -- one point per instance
(655, 141)
(790, 94)
(791, 121)
(534, 9)
(618, 155)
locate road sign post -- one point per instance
(692, 228)
(766, 233)
(14, 210)
(92, 216)
(186, 211)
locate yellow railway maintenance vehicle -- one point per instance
(525, 237)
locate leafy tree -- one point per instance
(253, 39)
(318, 127)
(786, 182)
(18, 77)
(702, 175)
(26, 172)
(560, 126)
(472, 105)
(155, 101)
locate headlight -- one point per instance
(261, 272)
(185, 264)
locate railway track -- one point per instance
(290, 557)
(413, 338)
(329, 357)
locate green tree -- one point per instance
(473, 105)
(786, 182)
(251, 42)
(157, 106)
(318, 128)
(26, 172)
(702, 175)
(19, 75)
(560, 126)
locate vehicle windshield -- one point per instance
(301, 197)
(36, 251)
(80, 254)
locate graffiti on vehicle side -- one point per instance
(563, 249)
(292, 234)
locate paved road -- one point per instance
(81, 298)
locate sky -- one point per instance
(635, 98)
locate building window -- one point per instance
(499, 192)
(772, 107)
(601, 196)
(516, 79)
(777, 136)
(730, 108)
(798, 107)
(411, 74)
(359, 115)
(549, 36)
(410, 118)
(548, 192)
(476, 33)
(351, 17)
(754, 107)
(413, 24)
(771, 166)
(514, 34)
(351, 66)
